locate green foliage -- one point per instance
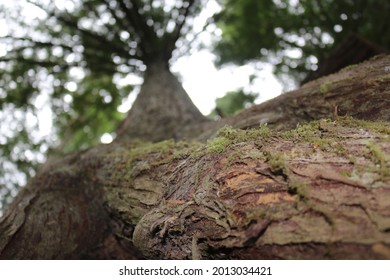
(92, 112)
(295, 35)
(233, 102)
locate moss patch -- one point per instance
(380, 159)
(217, 145)
(324, 88)
(277, 163)
(379, 127)
(229, 136)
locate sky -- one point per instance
(204, 82)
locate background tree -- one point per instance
(73, 58)
(296, 35)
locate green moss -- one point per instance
(134, 160)
(313, 133)
(236, 156)
(231, 158)
(228, 135)
(229, 132)
(380, 158)
(308, 130)
(349, 67)
(183, 149)
(240, 135)
(305, 131)
(346, 173)
(257, 214)
(323, 144)
(352, 159)
(324, 88)
(148, 148)
(288, 135)
(323, 211)
(327, 145)
(332, 84)
(217, 145)
(383, 78)
(277, 163)
(379, 127)
(173, 149)
(263, 131)
(299, 188)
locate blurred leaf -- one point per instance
(289, 34)
(232, 103)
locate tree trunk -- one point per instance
(319, 191)
(162, 108)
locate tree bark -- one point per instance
(360, 91)
(319, 191)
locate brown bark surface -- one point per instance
(319, 191)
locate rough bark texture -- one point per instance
(319, 191)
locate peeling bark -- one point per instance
(319, 191)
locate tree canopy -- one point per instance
(295, 35)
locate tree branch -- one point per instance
(126, 27)
(38, 43)
(325, 14)
(170, 41)
(43, 63)
(187, 43)
(121, 50)
(147, 35)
